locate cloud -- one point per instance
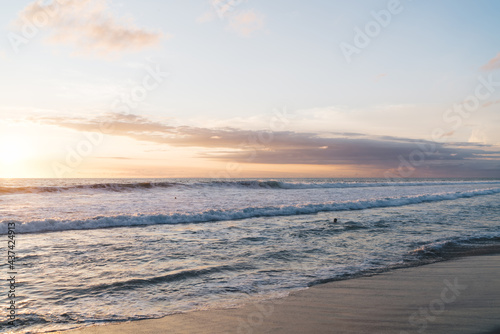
(116, 158)
(87, 25)
(490, 103)
(478, 135)
(493, 64)
(246, 22)
(242, 22)
(288, 147)
(225, 7)
(206, 17)
(380, 76)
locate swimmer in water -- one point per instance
(335, 220)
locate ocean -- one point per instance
(95, 251)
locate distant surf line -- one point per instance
(252, 184)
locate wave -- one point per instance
(485, 243)
(223, 215)
(133, 283)
(439, 250)
(97, 186)
(273, 184)
(253, 184)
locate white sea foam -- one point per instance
(233, 214)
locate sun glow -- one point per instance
(14, 149)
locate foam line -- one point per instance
(248, 212)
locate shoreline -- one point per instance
(460, 295)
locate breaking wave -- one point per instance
(243, 213)
(252, 184)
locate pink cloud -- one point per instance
(380, 76)
(206, 17)
(88, 25)
(490, 103)
(494, 63)
(247, 22)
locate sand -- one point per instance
(456, 296)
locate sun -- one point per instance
(14, 149)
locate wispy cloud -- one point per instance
(288, 147)
(380, 76)
(243, 22)
(493, 64)
(490, 103)
(208, 16)
(247, 22)
(88, 25)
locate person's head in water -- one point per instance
(335, 220)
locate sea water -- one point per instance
(91, 251)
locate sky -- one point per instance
(249, 88)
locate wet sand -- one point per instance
(456, 296)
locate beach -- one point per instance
(457, 296)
